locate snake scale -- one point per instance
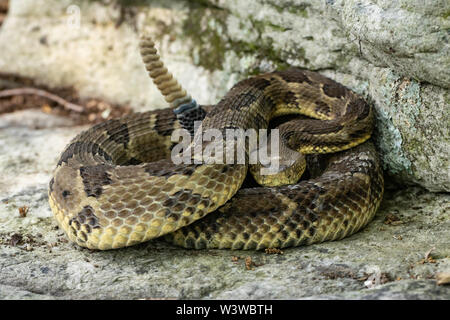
(115, 186)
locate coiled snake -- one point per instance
(114, 185)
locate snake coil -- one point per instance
(114, 186)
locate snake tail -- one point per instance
(169, 87)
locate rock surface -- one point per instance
(394, 53)
(384, 261)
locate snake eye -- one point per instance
(65, 193)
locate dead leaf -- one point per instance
(23, 211)
(273, 251)
(15, 239)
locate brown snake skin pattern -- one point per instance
(115, 185)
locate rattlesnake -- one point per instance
(115, 186)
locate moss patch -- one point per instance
(291, 7)
(206, 27)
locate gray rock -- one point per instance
(384, 261)
(409, 37)
(394, 53)
(401, 290)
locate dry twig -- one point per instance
(20, 91)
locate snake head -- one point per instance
(277, 164)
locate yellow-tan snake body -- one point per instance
(116, 186)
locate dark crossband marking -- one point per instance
(87, 218)
(80, 147)
(333, 90)
(95, 178)
(118, 132)
(165, 121)
(297, 76)
(167, 169)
